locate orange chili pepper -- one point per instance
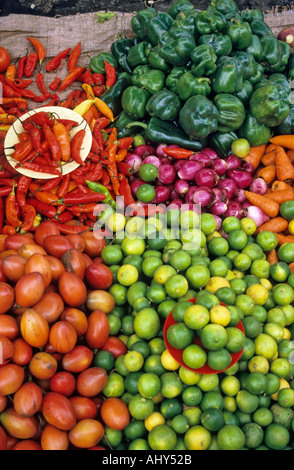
(63, 139)
(111, 146)
(10, 210)
(39, 48)
(10, 72)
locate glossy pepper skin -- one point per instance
(151, 79)
(210, 21)
(255, 48)
(225, 6)
(287, 126)
(138, 54)
(245, 93)
(249, 15)
(119, 50)
(275, 54)
(229, 76)
(173, 78)
(220, 43)
(189, 85)
(165, 105)
(258, 76)
(134, 100)
(97, 62)
(186, 20)
(176, 45)
(121, 124)
(158, 25)
(240, 34)
(178, 6)
(140, 23)
(231, 112)
(260, 28)
(269, 104)
(221, 142)
(113, 96)
(248, 62)
(254, 132)
(203, 61)
(198, 117)
(156, 61)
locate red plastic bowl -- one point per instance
(177, 354)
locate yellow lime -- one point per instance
(286, 333)
(196, 317)
(291, 227)
(258, 364)
(188, 377)
(213, 235)
(197, 438)
(216, 283)
(220, 315)
(230, 275)
(230, 404)
(127, 275)
(116, 222)
(168, 361)
(265, 346)
(258, 293)
(240, 147)
(135, 226)
(283, 384)
(266, 283)
(153, 420)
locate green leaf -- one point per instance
(105, 16)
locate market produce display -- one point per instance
(174, 236)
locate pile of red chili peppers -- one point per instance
(45, 143)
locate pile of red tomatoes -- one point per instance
(53, 320)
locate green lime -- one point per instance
(171, 385)
(276, 436)
(219, 360)
(176, 286)
(236, 339)
(218, 246)
(192, 396)
(194, 356)
(263, 417)
(148, 172)
(212, 419)
(283, 294)
(133, 246)
(196, 317)
(180, 424)
(139, 444)
(189, 220)
(165, 308)
(208, 223)
(133, 360)
(207, 299)
(171, 407)
(256, 383)
(197, 438)
(127, 275)
(253, 250)
(218, 267)
(114, 324)
(247, 402)
(153, 364)
(179, 310)
(142, 347)
(287, 210)
(253, 435)
(245, 303)
(115, 386)
(212, 399)
(113, 436)
(134, 260)
(214, 337)
(248, 225)
(140, 303)
(136, 291)
(267, 240)
(226, 295)
(280, 271)
(252, 326)
(157, 240)
(135, 430)
(237, 239)
(198, 276)
(145, 193)
(119, 293)
(147, 323)
(180, 260)
(179, 335)
(140, 408)
(156, 293)
(230, 385)
(231, 223)
(239, 286)
(242, 262)
(149, 385)
(162, 437)
(112, 255)
(150, 264)
(163, 273)
(104, 359)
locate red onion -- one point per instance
(229, 185)
(203, 196)
(162, 195)
(182, 186)
(144, 150)
(220, 195)
(255, 214)
(248, 167)
(233, 210)
(206, 177)
(178, 164)
(165, 160)
(241, 177)
(135, 184)
(177, 203)
(211, 153)
(134, 161)
(218, 208)
(166, 173)
(190, 193)
(220, 166)
(159, 150)
(239, 196)
(189, 170)
(174, 195)
(232, 161)
(203, 158)
(153, 160)
(246, 204)
(218, 221)
(258, 186)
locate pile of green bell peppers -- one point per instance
(206, 76)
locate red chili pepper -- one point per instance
(102, 122)
(98, 79)
(99, 90)
(8, 230)
(82, 198)
(55, 84)
(68, 124)
(35, 134)
(76, 145)
(53, 143)
(40, 83)
(31, 63)
(71, 77)
(40, 49)
(86, 77)
(9, 92)
(83, 209)
(10, 210)
(74, 56)
(20, 67)
(110, 73)
(40, 119)
(5, 191)
(42, 98)
(22, 83)
(72, 229)
(29, 158)
(29, 214)
(64, 186)
(55, 100)
(2, 212)
(41, 168)
(43, 208)
(21, 152)
(65, 216)
(52, 184)
(126, 191)
(178, 153)
(124, 168)
(56, 61)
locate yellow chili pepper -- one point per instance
(7, 118)
(104, 109)
(90, 95)
(83, 107)
(4, 127)
(37, 221)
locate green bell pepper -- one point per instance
(221, 142)
(275, 54)
(140, 23)
(156, 61)
(159, 131)
(220, 43)
(210, 21)
(158, 25)
(225, 6)
(189, 85)
(119, 50)
(134, 100)
(137, 72)
(164, 104)
(121, 124)
(231, 112)
(255, 48)
(240, 34)
(258, 76)
(280, 79)
(152, 80)
(248, 61)
(249, 15)
(260, 28)
(173, 78)
(97, 62)
(178, 6)
(113, 96)
(186, 20)
(244, 95)
(176, 45)
(291, 74)
(287, 126)
(203, 60)
(198, 117)
(253, 131)
(138, 54)
(229, 76)
(269, 105)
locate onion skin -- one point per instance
(287, 35)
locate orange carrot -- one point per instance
(284, 167)
(269, 158)
(272, 257)
(268, 173)
(286, 141)
(281, 196)
(276, 225)
(284, 238)
(270, 147)
(269, 207)
(290, 154)
(281, 185)
(255, 154)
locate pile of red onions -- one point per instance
(217, 184)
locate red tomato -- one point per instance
(86, 433)
(6, 350)
(29, 290)
(87, 259)
(99, 276)
(14, 242)
(4, 59)
(50, 306)
(27, 401)
(27, 444)
(14, 267)
(62, 337)
(11, 378)
(84, 407)
(3, 439)
(63, 382)
(72, 289)
(91, 381)
(98, 330)
(2, 242)
(115, 346)
(29, 249)
(76, 318)
(23, 352)
(9, 326)
(45, 228)
(58, 411)
(94, 246)
(115, 413)
(3, 278)
(77, 241)
(6, 297)
(34, 328)
(3, 403)
(74, 262)
(40, 264)
(57, 245)
(57, 268)
(17, 426)
(54, 439)
(77, 360)
(43, 365)
(100, 300)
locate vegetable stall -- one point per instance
(147, 236)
